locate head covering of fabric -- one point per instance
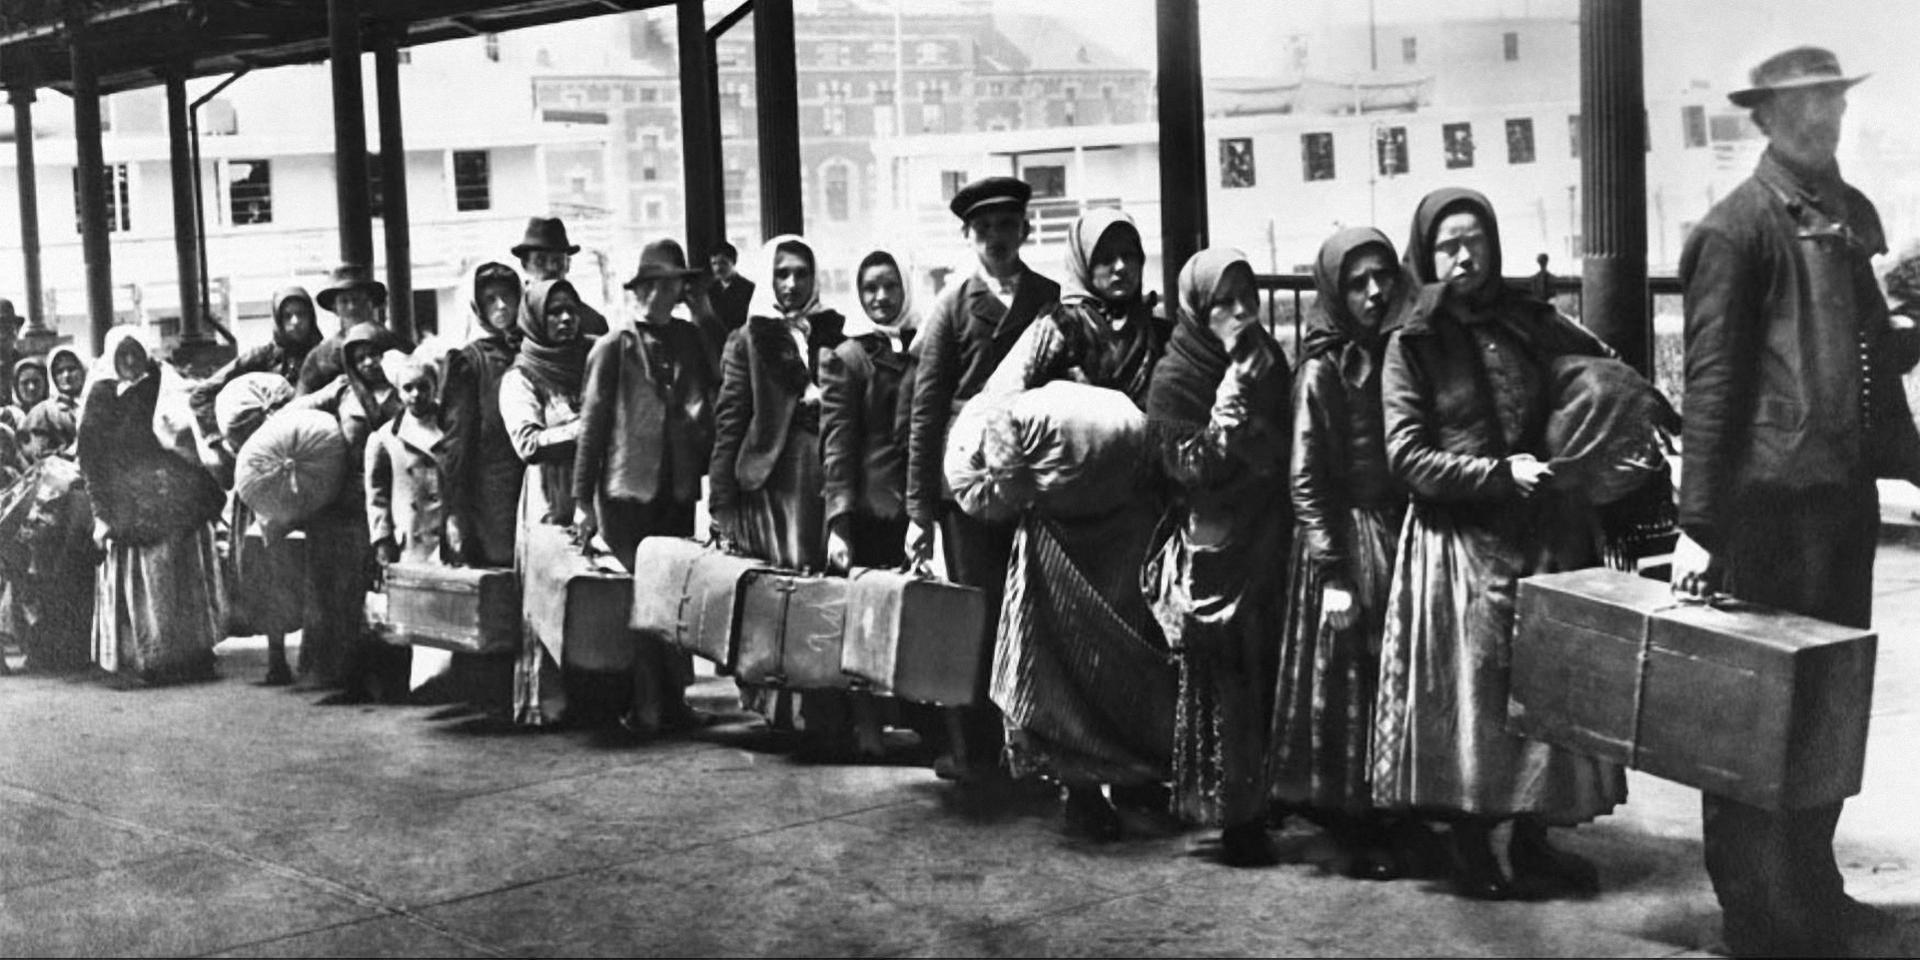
(51, 418)
(1186, 378)
(493, 271)
(765, 302)
(559, 366)
(858, 323)
(1082, 239)
(118, 337)
(1331, 327)
(310, 338)
(70, 354)
(21, 366)
(1437, 206)
(400, 367)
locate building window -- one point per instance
(1391, 144)
(950, 183)
(493, 47)
(838, 190)
(119, 211)
(1047, 182)
(1573, 135)
(1459, 144)
(405, 55)
(1510, 46)
(932, 92)
(649, 95)
(883, 93)
(1520, 140)
(929, 52)
(472, 180)
(734, 189)
(1316, 156)
(833, 116)
(250, 191)
(731, 110)
(1236, 163)
(1409, 50)
(654, 210)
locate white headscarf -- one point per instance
(765, 302)
(858, 323)
(173, 421)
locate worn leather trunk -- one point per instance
(1766, 707)
(791, 628)
(578, 606)
(687, 594)
(463, 609)
(914, 638)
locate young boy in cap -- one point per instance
(972, 327)
(545, 254)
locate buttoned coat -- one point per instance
(866, 393)
(763, 381)
(407, 489)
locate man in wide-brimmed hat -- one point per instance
(663, 282)
(546, 254)
(355, 297)
(1794, 407)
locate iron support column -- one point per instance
(393, 182)
(1183, 153)
(1613, 176)
(186, 246)
(27, 176)
(699, 135)
(776, 85)
(91, 161)
(349, 134)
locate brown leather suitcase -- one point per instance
(463, 609)
(1766, 707)
(577, 606)
(790, 631)
(687, 594)
(914, 637)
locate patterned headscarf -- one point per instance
(560, 366)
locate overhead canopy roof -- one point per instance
(135, 42)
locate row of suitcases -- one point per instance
(883, 631)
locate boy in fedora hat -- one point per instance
(355, 297)
(970, 330)
(1794, 407)
(546, 254)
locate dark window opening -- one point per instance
(250, 191)
(119, 212)
(1392, 145)
(1520, 140)
(1047, 182)
(472, 180)
(1510, 46)
(1693, 120)
(1316, 156)
(1459, 145)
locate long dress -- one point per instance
(158, 599)
(1462, 386)
(1081, 669)
(544, 424)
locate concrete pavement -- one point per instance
(231, 819)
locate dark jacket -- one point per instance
(1792, 374)
(730, 302)
(646, 415)
(762, 382)
(483, 471)
(967, 335)
(1339, 456)
(866, 394)
(1444, 433)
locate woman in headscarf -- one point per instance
(1464, 390)
(483, 468)
(49, 571)
(1219, 406)
(1348, 509)
(29, 388)
(540, 409)
(295, 333)
(646, 437)
(1092, 704)
(158, 597)
(866, 401)
(68, 371)
(766, 474)
(336, 646)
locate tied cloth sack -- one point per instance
(291, 467)
(1065, 449)
(1605, 435)
(246, 402)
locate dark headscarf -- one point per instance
(1331, 327)
(281, 339)
(375, 336)
(493, 272)
(53, 418)
(1437, 206)
(22, 366)
(1185, 380)
(1082, 239)
(559, 366)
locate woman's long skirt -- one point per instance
(1324, 697)
(1226, 677)
(1440, 741)
(158, 608)
(546, 496)
(784, 523)
(1081, 669)
(338, 576)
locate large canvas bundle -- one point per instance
(1065, 449)
(246, 402)
(292, 466)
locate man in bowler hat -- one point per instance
(1794, 407)
(546, 254)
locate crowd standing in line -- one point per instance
(1299, 605)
